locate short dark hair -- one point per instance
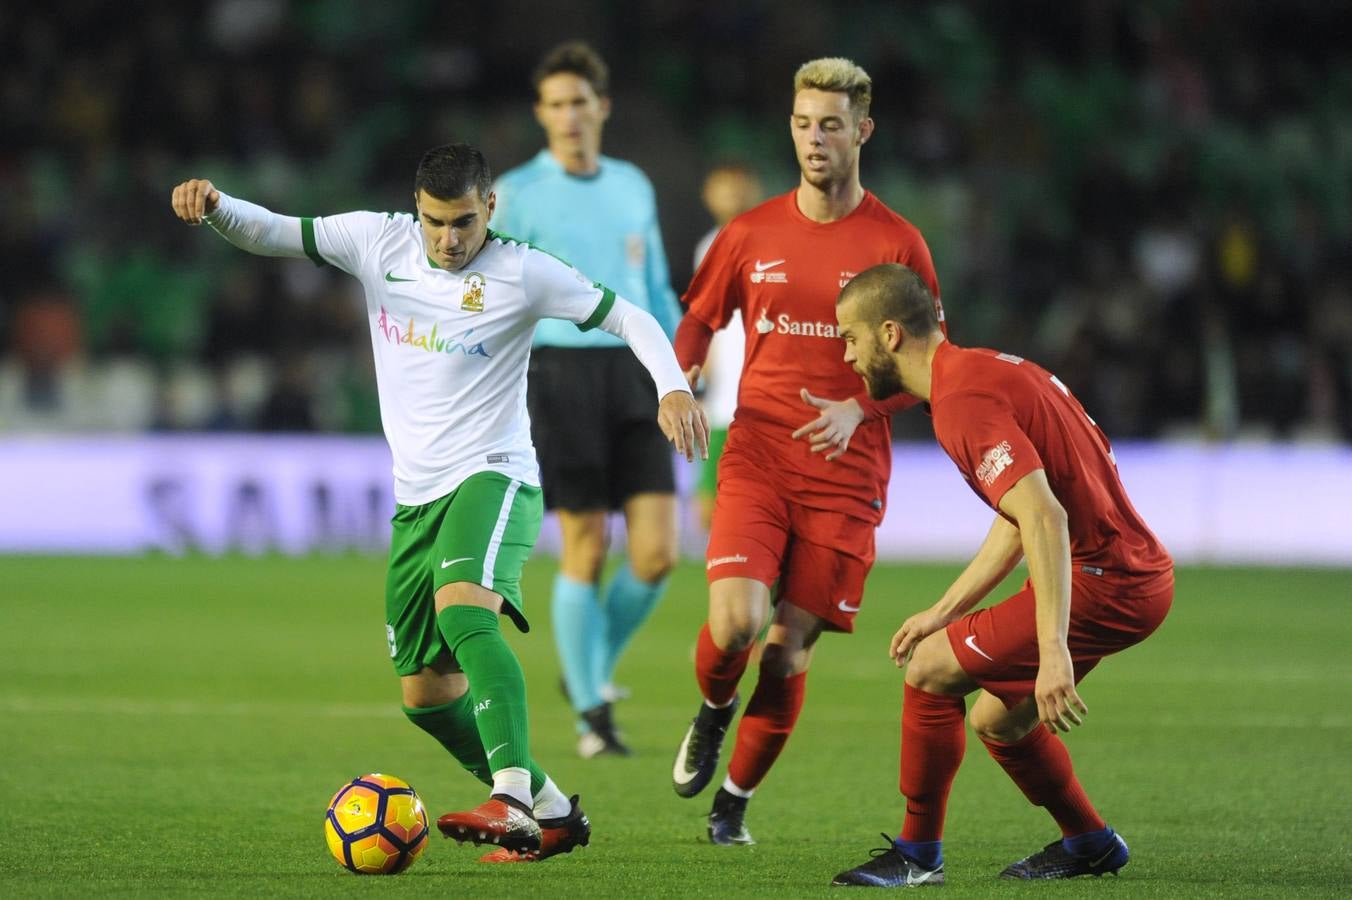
(892, 292)
(576, 58)
(452, 171)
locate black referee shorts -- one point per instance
(593, 416)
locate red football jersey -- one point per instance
(1000, 417)
(783, 271)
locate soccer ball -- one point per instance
(376, 825)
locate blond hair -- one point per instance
(837, 74)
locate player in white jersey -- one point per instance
(452, 308)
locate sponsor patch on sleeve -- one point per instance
(993, 462)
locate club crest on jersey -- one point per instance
(473, 300)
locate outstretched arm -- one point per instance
(246, 225)
(682, 419)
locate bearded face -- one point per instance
(879, 371)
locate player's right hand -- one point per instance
(911, 633)
(194, 199)
(831, 431)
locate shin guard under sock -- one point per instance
(495, 680)
(933, 739)
(718, 670)
(1040, 765)
(765, 727)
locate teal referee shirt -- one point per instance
(604, 224)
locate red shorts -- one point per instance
(997, 646)
(819, 558)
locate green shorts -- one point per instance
(482, 532)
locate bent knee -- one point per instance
(735, 627)
(734, 635)
(582, 562)
(993, 723)
(651, 564)
(779, 661)
(934, 668)
(430, 688)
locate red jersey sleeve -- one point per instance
(715, 292)
(980, 435)
(692, 342)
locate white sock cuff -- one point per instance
(513, 781)
(551, 803)
(735, 790)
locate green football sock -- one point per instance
(496, 683)
(452, 724)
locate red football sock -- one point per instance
(765, 727)
(1040, 765)
(718, 670)
(933, 738)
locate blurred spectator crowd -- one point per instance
(1152, 199)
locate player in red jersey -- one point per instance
(1099, 582)
(784, 515)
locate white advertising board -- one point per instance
(1270, 504)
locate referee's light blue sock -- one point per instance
(628, 604)
(577, 619)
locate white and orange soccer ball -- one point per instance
(376, 825)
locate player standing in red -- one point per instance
(783, 514)
(1099, 582)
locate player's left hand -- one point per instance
(835, 426)
(1059, 706)
(683, 421)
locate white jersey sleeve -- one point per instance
(559, 291)
(556, 290)
(640, 330)
(251, 227)
(343, 240)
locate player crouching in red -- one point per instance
(1099, 582)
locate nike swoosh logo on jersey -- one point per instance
(970, 641)
(390, 276)
(761, 267)
(489, 754)
(844, 606)
(447, 563)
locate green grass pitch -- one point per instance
(175, 728)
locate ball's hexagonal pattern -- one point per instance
(376, 825)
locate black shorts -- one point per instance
(593, 417)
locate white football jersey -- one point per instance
(452, 347)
